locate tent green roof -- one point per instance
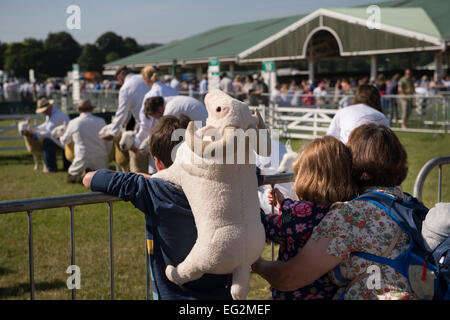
(407, 24)
(223, 42)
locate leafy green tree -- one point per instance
(111, 42)
(111, 57)
(13, 59)
(151, 46)
(91, 58)
(21, 57)
(61, 51)
(131, 46)
(3, 47)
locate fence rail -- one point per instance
(5, 129)
(71, 201)
(426, 169)
(307, 116)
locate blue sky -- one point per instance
(147, 21)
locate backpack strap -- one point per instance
(385, 254)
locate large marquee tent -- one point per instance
(404, 26)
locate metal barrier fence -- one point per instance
(426, 169)
(298, 114)
(104, 100)
(71, 201)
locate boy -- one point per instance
(171, 231)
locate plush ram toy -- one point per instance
(221, 186)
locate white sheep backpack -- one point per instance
(218, 177)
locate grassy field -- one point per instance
(52, 237)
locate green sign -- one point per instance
(75, 67)
(213, 62)
(268, 66)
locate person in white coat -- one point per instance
(366, 109)
(156, 107)
(157, 88)
(53, 118)
(91, 152)
(131, 94)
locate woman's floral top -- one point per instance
(362, 226)
(291, 228)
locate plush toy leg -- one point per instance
(192, 268)
(241, 282)
(181, 274)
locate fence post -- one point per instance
(72, 248)
(31, 254)
(111, 249)
(272, 248)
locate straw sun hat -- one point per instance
(43, 104)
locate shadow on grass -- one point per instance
(16, 159)
(24, 288)
(5, 271)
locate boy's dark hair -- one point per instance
(152, 104)
(161, 143)
(368, 95)
(378, 157)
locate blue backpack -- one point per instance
(428, 272)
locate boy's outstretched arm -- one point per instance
(88, 178)
(128, 186)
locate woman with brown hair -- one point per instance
(380, 164)
(366, 108)
(322, 176)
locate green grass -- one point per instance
(52, 232)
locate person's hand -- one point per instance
(275, 197)
(254, 267)
(107, 137)
(87, 178)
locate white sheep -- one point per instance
(59, 130)
(34, 146)
(287, 162)
(69, 149)
(121, 158)
(138, 160)
(127, 140)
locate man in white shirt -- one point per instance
(367, 109)
(204, 86)
(156, 107)
(226, 84)
(49, 89)
(131, 94)
(175, 83)
(91, 152)
(54, 117)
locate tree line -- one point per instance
(54, 56)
